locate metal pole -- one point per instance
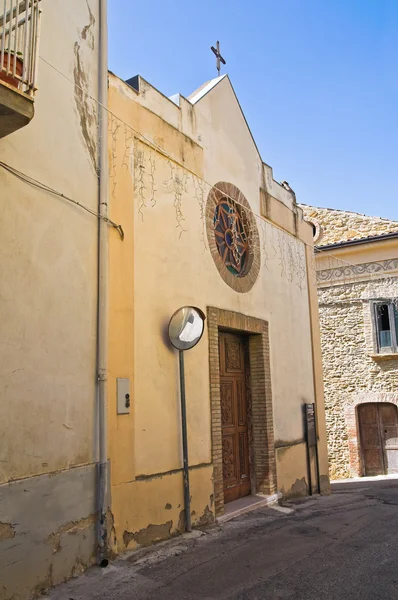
(187, 498)
(102, 324)
(318, 478)
(307, 442)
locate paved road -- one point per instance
(338, 547)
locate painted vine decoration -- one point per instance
(229, 217)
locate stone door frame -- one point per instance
(352, 422)
(263, 461)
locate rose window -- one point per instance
(231, 236)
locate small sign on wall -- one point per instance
(311, 426)
(312, 445)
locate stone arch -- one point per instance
(351, 418)
(316, 228)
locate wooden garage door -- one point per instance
(378, 425)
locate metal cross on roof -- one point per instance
(220, 59)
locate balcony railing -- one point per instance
(19, 43)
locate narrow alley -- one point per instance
(329, 547)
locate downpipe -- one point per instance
(102, 318)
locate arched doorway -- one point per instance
(378, 428)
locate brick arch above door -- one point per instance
(264, 462)
(350, 413)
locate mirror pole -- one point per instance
(187, 499)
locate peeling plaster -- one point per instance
(299, 488)
(181, 521)
(148, 535)
(128, 537)
(158, 533)
(45, 585)
(325, 484)
(79, 567)
(87, 31)
(85, 107)
(111, 532)
(7, 531)
(206, 519)
(71, 528)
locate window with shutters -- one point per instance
(385, 319)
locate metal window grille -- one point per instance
(19, 42)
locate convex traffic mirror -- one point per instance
(186, 327)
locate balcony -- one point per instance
(19, 43)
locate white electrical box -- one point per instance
(123, 396)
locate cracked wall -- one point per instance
(49, 535)
(87, 109)
(145, 445)
(141, 519)
(48, 257)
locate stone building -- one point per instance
(357, 277)
(205, 225)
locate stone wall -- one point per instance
(353, 373)
(335, 226)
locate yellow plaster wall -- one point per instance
(277, 212)
(121, 321)
(48, 258)
(292, 470)
(148, 510)
(164, 263)
(138, 504)
(317, 368)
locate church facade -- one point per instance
(357, 277)
(205, 225)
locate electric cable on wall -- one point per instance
(42, 186)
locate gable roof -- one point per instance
(336, 226)
(196, 96)
(203, 89)
(281, 191)
(207, 87)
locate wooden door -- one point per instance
(389, 432)
(234, 417)
(378, 424)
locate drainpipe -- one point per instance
(102, 322)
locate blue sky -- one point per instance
(317, 81)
